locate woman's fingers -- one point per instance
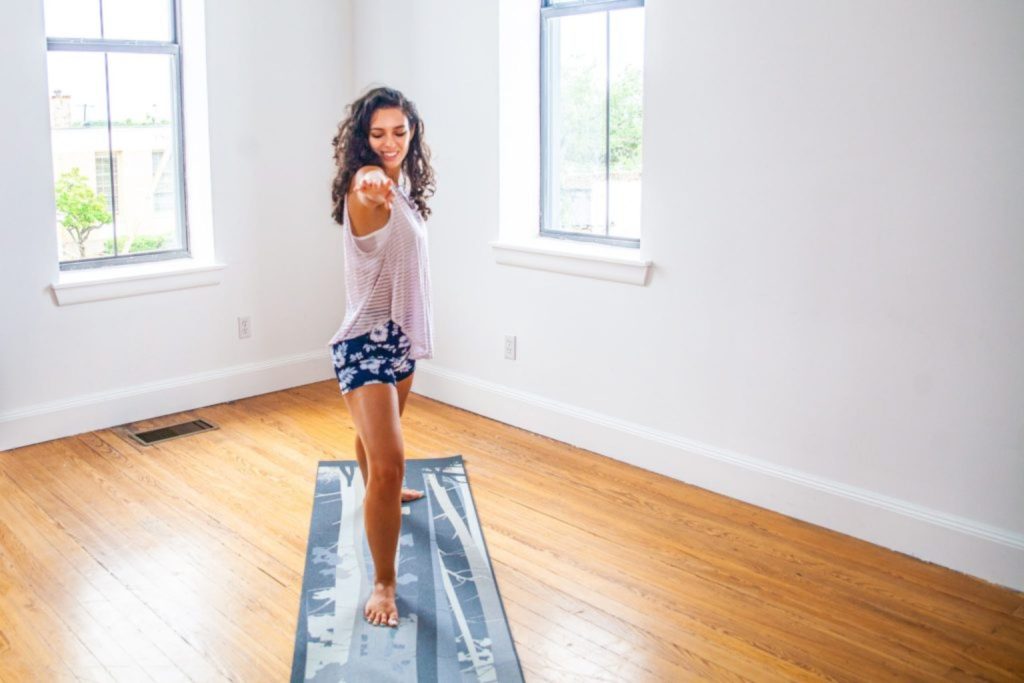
(377, 188)
(378, 177)
(376, 185)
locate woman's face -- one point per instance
(389, 136)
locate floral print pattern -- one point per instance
(381, 356)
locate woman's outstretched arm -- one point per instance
(370, 197)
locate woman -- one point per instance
(383, 181)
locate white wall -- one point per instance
(278, 80)
(833, 202)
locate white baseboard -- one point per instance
(965, 545)
(101, 410)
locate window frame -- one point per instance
(129, 46)
(552, 10)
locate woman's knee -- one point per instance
(386, 472)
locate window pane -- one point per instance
(141, 111)
(627, 68)
(72, 18)
(577, 122)
(137, 19)
(107, 181)
(78, 128)
(163, 181)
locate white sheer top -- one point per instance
(387, 276)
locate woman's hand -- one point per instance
(375, 188)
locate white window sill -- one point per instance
(98, 284)
(600, 261)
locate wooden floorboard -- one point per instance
(183, 562)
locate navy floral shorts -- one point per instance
(381, 356)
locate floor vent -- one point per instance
(173, 432)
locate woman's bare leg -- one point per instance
(403, 393)
(375, 411)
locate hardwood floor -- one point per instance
(183, 561)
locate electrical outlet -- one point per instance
(244, 327)
(510, 347)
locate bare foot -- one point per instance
(380, 608)
(411, 494)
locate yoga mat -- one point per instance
(452, 624)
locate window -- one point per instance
(591, 98)
(116, 130)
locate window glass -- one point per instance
(81, 153)
(72, 18)
(142, 127)
(592, 123)
(627, 121)
(578, 123)
(137, 20)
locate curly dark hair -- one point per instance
(352, 149)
